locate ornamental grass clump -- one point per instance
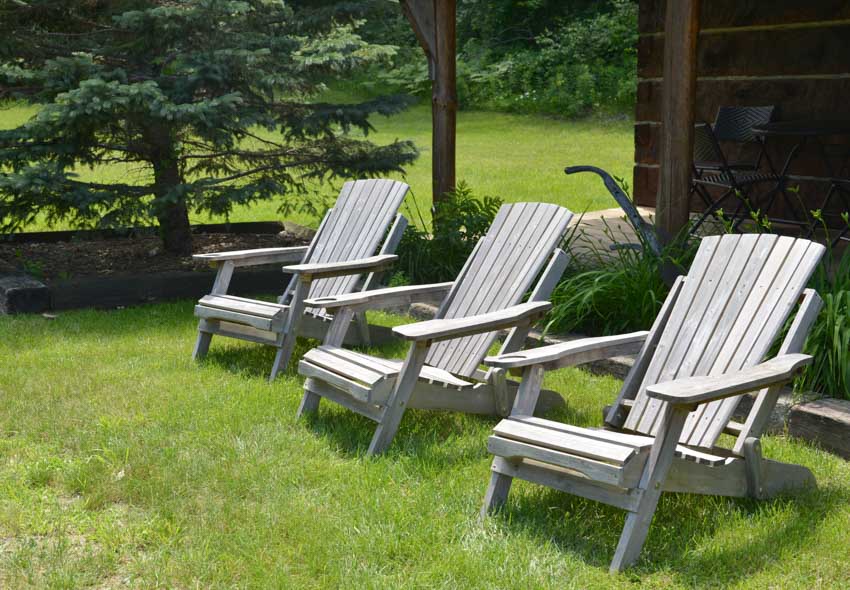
(616, 290)
(829, 340)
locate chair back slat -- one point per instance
(354, 229)
(497, 275)
(734, 302)
(736, 123)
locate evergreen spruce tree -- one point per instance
(206, 104)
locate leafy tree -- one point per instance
(207, 104)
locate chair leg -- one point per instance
(290, 337)
(711, 211)
(284, 353)
(362, 328)
(202, 344)
(651, 483)
(397, 402)
(309, 403)
(497, 491)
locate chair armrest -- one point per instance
(382, 298)
(324, 270)
(697, 390)
(574, 352)
(254, 257)
(433, 330)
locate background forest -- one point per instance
(566, 58)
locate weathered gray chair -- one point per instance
(441, 370)
(706, 349)
(344, 247)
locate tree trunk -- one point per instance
(172, 215)
(174, 229)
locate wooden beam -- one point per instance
(434, 23)
(677, 117)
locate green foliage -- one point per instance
(829, 340)
(210, 103)
(576, 67)
(460, 220)
(613, 291)
(563, 58)
(127, 464)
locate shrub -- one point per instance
(566, 59)
(459, 222)
(829, 340)
(614, 291)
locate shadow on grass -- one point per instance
(591, 530)
(423, 434)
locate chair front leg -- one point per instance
(290, 331)
(202, 344)
(220, 286)
(497, 490)
(650, 486)
(333, 337)
(362, 328)
(397, 402)
(524, 404)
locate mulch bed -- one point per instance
(134, 255)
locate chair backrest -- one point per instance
(498, 273)
(705, 147)
(733, 303)
(736, 123)
(354, 229)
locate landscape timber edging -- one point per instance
(105, 292)
(242, 227)
(824, 421)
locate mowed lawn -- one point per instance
(125, 464)
(514, 157)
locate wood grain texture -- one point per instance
(571, 353)
(782, 52)
(254, 257)
(826, 421)
(697, 390)
(734, 301)
(497, 275)
(735, 13)
(677, 120)
(384, 298)
(443, 329)
(343, 267)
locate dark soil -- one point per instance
(142, 254)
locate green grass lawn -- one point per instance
(515, 157)
(125, 464)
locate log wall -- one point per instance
(792, 54)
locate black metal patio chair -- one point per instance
(737, 179)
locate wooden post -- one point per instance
(444, 100)
(678, 96)
(434, 22)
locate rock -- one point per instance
(422, 311)
(299, 232)
(825, 421)
(23, 294)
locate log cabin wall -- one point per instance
(790, 53)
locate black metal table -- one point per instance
(814, 131)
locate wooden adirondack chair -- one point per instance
(441, 370)
(704, 351)
(343, 248)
